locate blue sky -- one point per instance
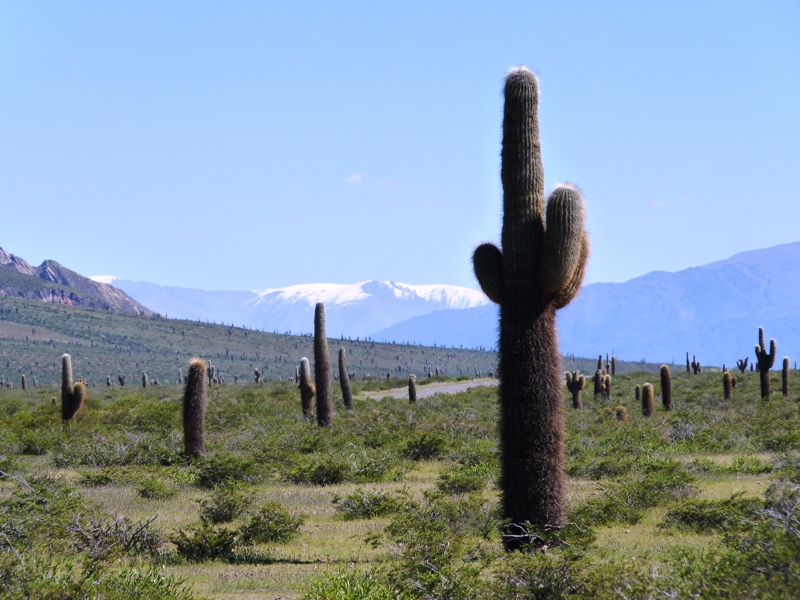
(243, 145)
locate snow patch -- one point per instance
(109, 279)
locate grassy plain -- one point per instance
(397, 500)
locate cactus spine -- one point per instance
(72, 395)
(194, 408)
(648, 400)
(727, 385)
(765, 360)
(412, 388)
(575, 384)
(666, 387)
(307, 387)
(539, 270)
(784, 377)
(322, 369)
(344, 380)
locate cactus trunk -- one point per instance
(322, 369)
(765, 361)
(344, 380)
(412, 389)
(666, 387)
(727, 385)
(194, 409)
(539, 270)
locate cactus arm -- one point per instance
(773, 351)
(761, 338)
(487, 262)
(567, 295)
(563, 239)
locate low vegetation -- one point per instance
(396, 500)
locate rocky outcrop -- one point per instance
(52, 282)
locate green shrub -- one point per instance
(271, 523)
(223, 467)
(153, 488)
(100, 478)
(461, 481)
(349, 584)
(424, 446)
(362, 504)
(315, 470)
(205, 542)
(227, 502)
(750, 465)
(709, 516)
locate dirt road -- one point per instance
(423, 391)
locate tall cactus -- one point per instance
(539, 270)
(666, 387)
(765, 361)
(575, 384)
(307, 387)
(344, 379)
(322, 368)
(23, 383)
(72, 394)
(194, 408)
(613, 365)
(784, 377)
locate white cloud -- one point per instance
(355, 178)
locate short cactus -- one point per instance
(648, 400)
(784, 377)
(613, 365)
(144, 380)
(307, 387)
(575, 384)
(599, 380)
(742, 364)
(638, 391)
(344, 379)
(194, 409)
(23, 383)
(607, 386)
(72, 394)
(412, 388)
(727, 385)
(108, 380)
(322, 369)
(765, 361)
(621, 413)
(666, 387)
(696, 365)
(539, 270)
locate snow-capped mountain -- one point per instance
(355, 310)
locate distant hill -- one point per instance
(54, 283)
(354, 310)
(713, 311)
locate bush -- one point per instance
(349, 584)
(223, 467)
(319, 471)
(271, 524)
(102, 539)
(226, 503)
(153, 488)
(205, 542)
(463, 480)
(366, 505)
(709, 516)
(424, 446)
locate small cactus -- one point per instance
(742, 364)
(194, 409)
(784, 377)
(72, 394)
(575, 384)
(648, 400)
(638, 393)
(607, 386)
(688, 364)
(600, 363)
(412, 388)
(696, 365)
(599, 381)
(613, 365)
(621, 413)
(144, 380)
(666, 387)
(344, 379)
(765, 361)
(307, 387)
(727, 385)
(23, 383)
(108, 380)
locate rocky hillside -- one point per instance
(52, 282)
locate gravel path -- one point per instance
(423, 391)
